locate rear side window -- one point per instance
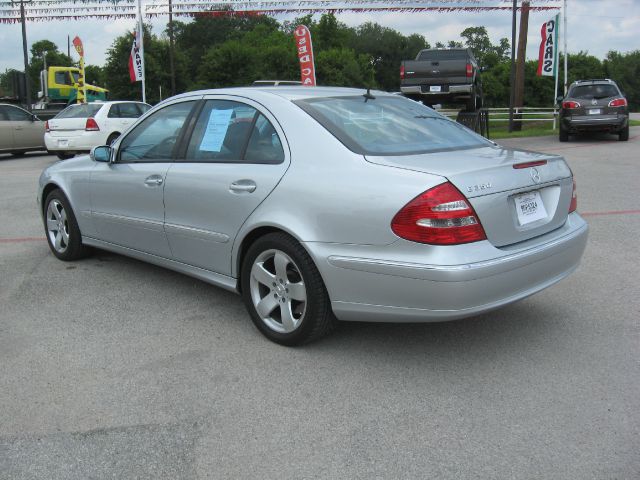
(588, 92)
(83, 110)
(232, 132)
(388, 125)
(125, 110)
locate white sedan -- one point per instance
(79, 128)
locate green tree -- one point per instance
(156, 59)
(343, 67)
(624, 69)
(39, 51)
(386, 49)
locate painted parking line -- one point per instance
(22, 239)
(611, 212)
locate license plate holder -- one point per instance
(435, 88)
(63, 143)
(529, 207)
(595, 111)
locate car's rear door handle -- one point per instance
(153, 180)
(243, 186)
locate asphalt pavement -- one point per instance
(113, 368)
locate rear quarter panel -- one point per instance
(330, 194)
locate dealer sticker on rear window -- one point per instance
(529, 207)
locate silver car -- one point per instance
(20, 131)
(317, 204)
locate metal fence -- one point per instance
(521, 114)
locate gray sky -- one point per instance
(596, 26)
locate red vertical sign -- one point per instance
(305, 55)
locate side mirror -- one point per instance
(483, 69)
(559, 99)
(34, 118)
(101, 154)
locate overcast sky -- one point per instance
(596, 26)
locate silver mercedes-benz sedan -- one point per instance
(317, 204)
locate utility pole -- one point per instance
(522, 52)
(171, 48)
(564, 18)
(27, 83)
(512, 80)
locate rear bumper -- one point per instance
(408, 289)
(424, 90)
(595, 123)
(74, 142)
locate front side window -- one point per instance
(62, 78)
(229, 131)
(388, 125)
(17, 115)
(155, 137)
(3, 113)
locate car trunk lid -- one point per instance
(517, 194)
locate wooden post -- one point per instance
(522, 53)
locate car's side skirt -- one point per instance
(217, 279)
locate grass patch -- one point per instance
(530, 129)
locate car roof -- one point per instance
(595, 81)
(289, 92)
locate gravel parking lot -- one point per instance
(113, 368)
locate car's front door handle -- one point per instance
(153, 180)
(242, 186)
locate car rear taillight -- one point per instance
(574, 199)
(439, 216)
(91, 125)
(46, 126)
(469, 70)
(570, 105)
(401, 72)
(618, 102)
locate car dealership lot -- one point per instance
(110, 367)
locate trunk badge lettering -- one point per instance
(535, 175)
(479, 187)
(594, 101)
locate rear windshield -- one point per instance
(443, 55)
(588, 92)
(86, 110)
(388, 125)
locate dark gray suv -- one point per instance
(594, 106)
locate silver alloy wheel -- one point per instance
(278, 291)
(57, 226)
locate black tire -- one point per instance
(623, 136)
(65, 155)
(18, 154)
(73, 247)
(112, 138)
(316, 319)
(563, 135)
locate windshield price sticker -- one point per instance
(530, 208)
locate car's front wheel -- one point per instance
(284, 292)
(61, 228)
